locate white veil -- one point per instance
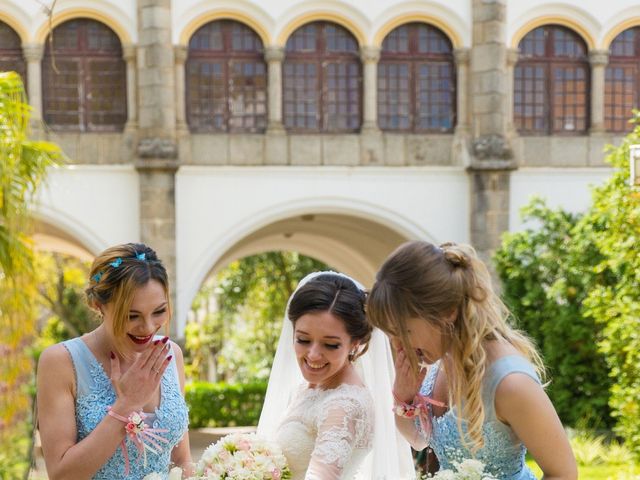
(390, 458)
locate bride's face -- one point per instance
(322, 346)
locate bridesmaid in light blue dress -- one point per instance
(467, 384)
(110, 403)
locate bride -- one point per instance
(328, 402)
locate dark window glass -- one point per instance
(84, 81)
(622, 81)
(551, 83)
(11, 58)
(322, 82)
(226, 79)
(416, 80)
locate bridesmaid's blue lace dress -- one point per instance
(503, 453)
(95, 393)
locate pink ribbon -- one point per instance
(144, 437)
(419, 408)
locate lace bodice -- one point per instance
(95, 393)
(503, 453)
(327, 434)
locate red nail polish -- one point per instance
(155, 342)
(112, 355)
(165, 339)
(169, 358)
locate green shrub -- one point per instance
(575, 285)
(545, 281)
(224, 405)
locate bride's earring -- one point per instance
(352, 354)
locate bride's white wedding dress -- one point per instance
(327, 434)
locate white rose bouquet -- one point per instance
(243, 456)
(465, 470)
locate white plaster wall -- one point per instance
(561, 187)
(217, 207)
(97, 205)
(31, 17)
(368, 15)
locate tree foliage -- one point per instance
(23, 166)
(545, 281)
(239, 314)
(574, 282)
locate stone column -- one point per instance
(598, 60)
(129, 55)
(491, 155)
(370, 56)
(157, 151)
(33, 54)
(274, 56)
(513, 54)
(461, 56)
(180, 53)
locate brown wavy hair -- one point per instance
(438, 284)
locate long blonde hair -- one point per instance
(438, 284)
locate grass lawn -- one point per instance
(598, 472)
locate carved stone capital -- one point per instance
(180, 52)
(598, 58)
(129, 52)
(33, 52)
(461, 56)
(513, 55)
(369, 53)
(157, 148)
(274, 53)
(492, 146)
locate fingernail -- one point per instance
(169, 358)
(165, 339)
(155, 342)
(112, 355)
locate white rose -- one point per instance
(153, 476)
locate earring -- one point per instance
(352, 355)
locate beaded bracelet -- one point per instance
(144, 437)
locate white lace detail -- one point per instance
(327, 433)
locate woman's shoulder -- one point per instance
(57, 355)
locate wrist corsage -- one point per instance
(143, 436)
(418, 408)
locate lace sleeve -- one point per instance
(343, 426)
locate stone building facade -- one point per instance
(527, 101)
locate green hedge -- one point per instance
(224, 405)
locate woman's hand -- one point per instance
(136, 386)
(407, 384)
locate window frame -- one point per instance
(321, 57)
(551, 63)
(413, 58)
(227, 57)
(84, 56)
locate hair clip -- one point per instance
(97, 277)
(141, 256)
(116, 263)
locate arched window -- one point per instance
(322, 80)
(622, 81)
(551, 83)
(226, 85)
(416, 80)
(11, 51)
(84, 81)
